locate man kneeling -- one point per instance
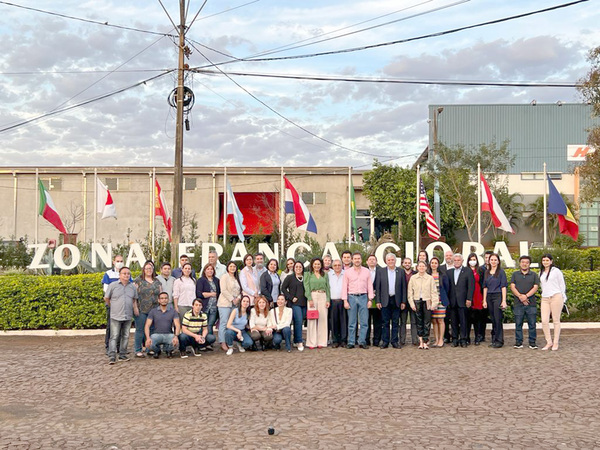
(164, 320)
(194, 331)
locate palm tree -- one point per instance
(536, 218)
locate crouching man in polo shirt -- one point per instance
(194, 331)
(163, 320)
(120, 298)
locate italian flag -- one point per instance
(48, 210)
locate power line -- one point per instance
(417, 38)
(83, 103)
(391, 80)
(78, 72)
(285, 118)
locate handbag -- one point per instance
(312, 314)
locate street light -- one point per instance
(436, 184)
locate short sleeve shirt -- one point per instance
(121, 300)
(524, 282)
(163, 321)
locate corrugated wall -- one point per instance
(536, 134)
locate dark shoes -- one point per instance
(395, 345)
(455, 344)
(112, 360)
(495, 345)
(350, 346)
(364, 346)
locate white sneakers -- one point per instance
(230, 351)
(240, 348)
(300, 347)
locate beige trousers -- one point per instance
(551, 306)
(316, 332)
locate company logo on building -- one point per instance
(578, 152)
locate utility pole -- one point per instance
(178, 168)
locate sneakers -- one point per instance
(229, 352)
(123, 358)
(169, 354)
(196, 352)
(241, 349)
(300, 347)
(139, 355)
(533, 346)
(518, 346)
(183, 354)
(112, 360)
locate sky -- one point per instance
(49, 63)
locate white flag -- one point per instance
(232, 208)
(105, 203)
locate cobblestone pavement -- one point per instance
(61, 393)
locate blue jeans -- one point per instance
(299, 313)
(119, 331)
(231, 336)
(212, 319)
(224, 313)
(358, 310)
(187, 340)
(520, 311)
(166, 340)
(138, 339)
(283, 334)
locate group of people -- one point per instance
(342, 302)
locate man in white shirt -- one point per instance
(339, 319)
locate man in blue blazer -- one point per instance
(462, 286)
(390, 288)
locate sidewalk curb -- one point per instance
(99, 332)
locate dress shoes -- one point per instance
(455, 344)
(395, 345)
(463, 344)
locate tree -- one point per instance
(536, 217)
(589, 88)
(391, 190)
(456, 169)
(513, 207)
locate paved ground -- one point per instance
(61, 393)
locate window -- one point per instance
(307, 197)
(118, 184)
(526, 176)
(52, 183)
(189, 183)
(314, 198)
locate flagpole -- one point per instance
(95, 203)
(545, 207)
(282, 213)
(37, 203)
(350, 206)
(213, 231)
(479, 203)
(85, 205)
(153, 208)
(418, 233)
(224, 206)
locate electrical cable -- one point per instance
(285, 118)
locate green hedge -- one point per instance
(75, 301)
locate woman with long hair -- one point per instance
(288, 270)
(231, 293)
(423, 256)
(554, 295)
(281, 319)
(316, 287)
(208, 290)
(478, 316)
(494, 298)
(270, 282)
(184, 291)
(148, 290)
(236, 326)
(261, 329)
(439, 314)
(422, 298)
(293, 290)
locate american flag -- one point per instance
(432, 228)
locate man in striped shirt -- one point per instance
(194, 331)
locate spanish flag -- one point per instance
(556, 205)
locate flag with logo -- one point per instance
(48, 210)
(556, 205)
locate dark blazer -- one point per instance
(203, 285)
(266, 286)
(382, 287)
(461, 291)
(293, 288)
(444, 289)
(444, 268)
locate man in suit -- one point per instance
(462, 286)
(390, 286)
(448, 264)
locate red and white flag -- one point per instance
(489, 203)
(48, 210)
(105, 203)
(160, 208)
(433, 230)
